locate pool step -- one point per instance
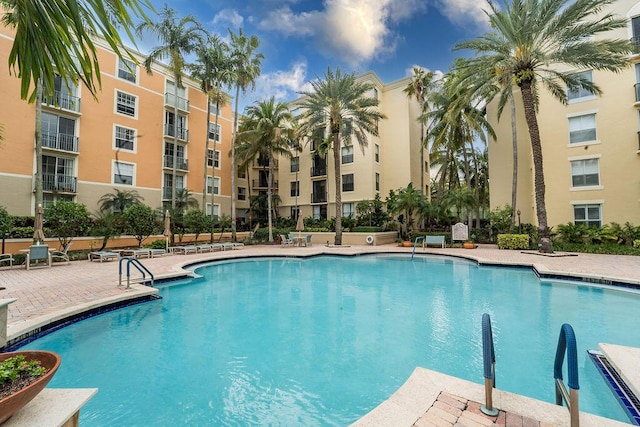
(623, 393)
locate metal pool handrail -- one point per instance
(138, 265)
(489, 364)
(415, 243)
(567, 342)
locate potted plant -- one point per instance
(24, 374)
(468, 245)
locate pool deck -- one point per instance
(50, 294)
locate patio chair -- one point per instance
(308, 241)
(103, 255)
(285, 241)
(8, 258)
(61, 255)
(39, 255)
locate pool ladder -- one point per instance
(138, 265)
(566, 343)
(415, 243)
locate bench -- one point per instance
(433, 240)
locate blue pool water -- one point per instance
(322, 341)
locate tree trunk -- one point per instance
(206, 158)
(544, 240)
(336, 164)
(514, 177)
(269, 194)
(421, 159)
(38, 146)
(174, 171)
(467, 179)
(233, 167)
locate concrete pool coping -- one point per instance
(51, 295)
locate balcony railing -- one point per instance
(318, 171)
(260, 183)
(320, 197)
(181, 163)
(60, 141)
(179, 132)
(180, 104)
(64, 101)
(166, 192)
(59, 183)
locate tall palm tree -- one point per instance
(528, 41)
(418, 88)
(407, 201)
(266, 131)
(344, 106)
(177, 37)
(246, 65)
(119, 200)
(54, 38)
(185, 200)
(213, 69)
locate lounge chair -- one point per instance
(189, 249)
(285, 241)
(8, 258)
(39, 255)
(157, 252)
(308, 240)
(205, 248)
(61, 255)
(103, 255)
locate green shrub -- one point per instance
(636, 243)
(366, 229)
(156, 244)
(513, 241)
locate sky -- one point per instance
(300, 39)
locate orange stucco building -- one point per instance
(128, 137)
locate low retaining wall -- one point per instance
(348, 238)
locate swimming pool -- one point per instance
(322, 341)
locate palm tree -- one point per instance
(265, 132)
(343, 105)
(407, 201)
(185, 200)
(119, 200)
(418, 88)
(69, 52)
(246, 67)
(528, 40)
(177, 38)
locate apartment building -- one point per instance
(390, 161)
(591, 147)
(129, 137)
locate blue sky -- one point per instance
(301, 38)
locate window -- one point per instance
(320, 212)
(213, 109)
(173, 128)
(590, 215)
(377, 181)
(214, 132)
(125, 138)
(58, 132)
(127, 70)
(348, 210)
(295, 188)
(216, 210)
(242, 193)
(242, 173)
(582, 128)
(295, 164)
(213, 184)
(580, 92)
(376, 153)
(347, 182)
(213, 161)
(181, 103)
(123, 173)
(295, 211)
(347, 154)
(635, 31)
(585, 173)
(125, 104)
(375, 93)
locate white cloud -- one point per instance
(437, 74)
(283, 85)
(465, 12)
(228, 17)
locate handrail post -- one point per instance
(567, 341)
(120, 270)
(415, 243)
(489, 365)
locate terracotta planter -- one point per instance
(407, 244)
(468, 245)
(49, 360)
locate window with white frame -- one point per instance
(242, 173)
(127, 70)
(295, 211)
(126, 104)
(348, 210)
(377, 181)
(376, 153)
(242, 193)
(295, 189)
(213, 108)
(582, 128)
(216, 210)
(347, 154)
(213, 160)
(581, 92)
(123, 173)
(125, 138)
(213, 185)
(214, 132)
(585, 173)
(295, 164)
(588, 214)
(347, 182)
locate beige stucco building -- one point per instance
(590, 147)
(124, 138)
(389, 161)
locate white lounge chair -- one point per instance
(61, 255)
(103, 255)
(8, 258)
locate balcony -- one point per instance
(63, 101)
(166, 192)
(60, 141)
(259, 184)
(319, 197)
(179, 132)
(181, 163)
(59, 183)
(318, 171)
(172, 101)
